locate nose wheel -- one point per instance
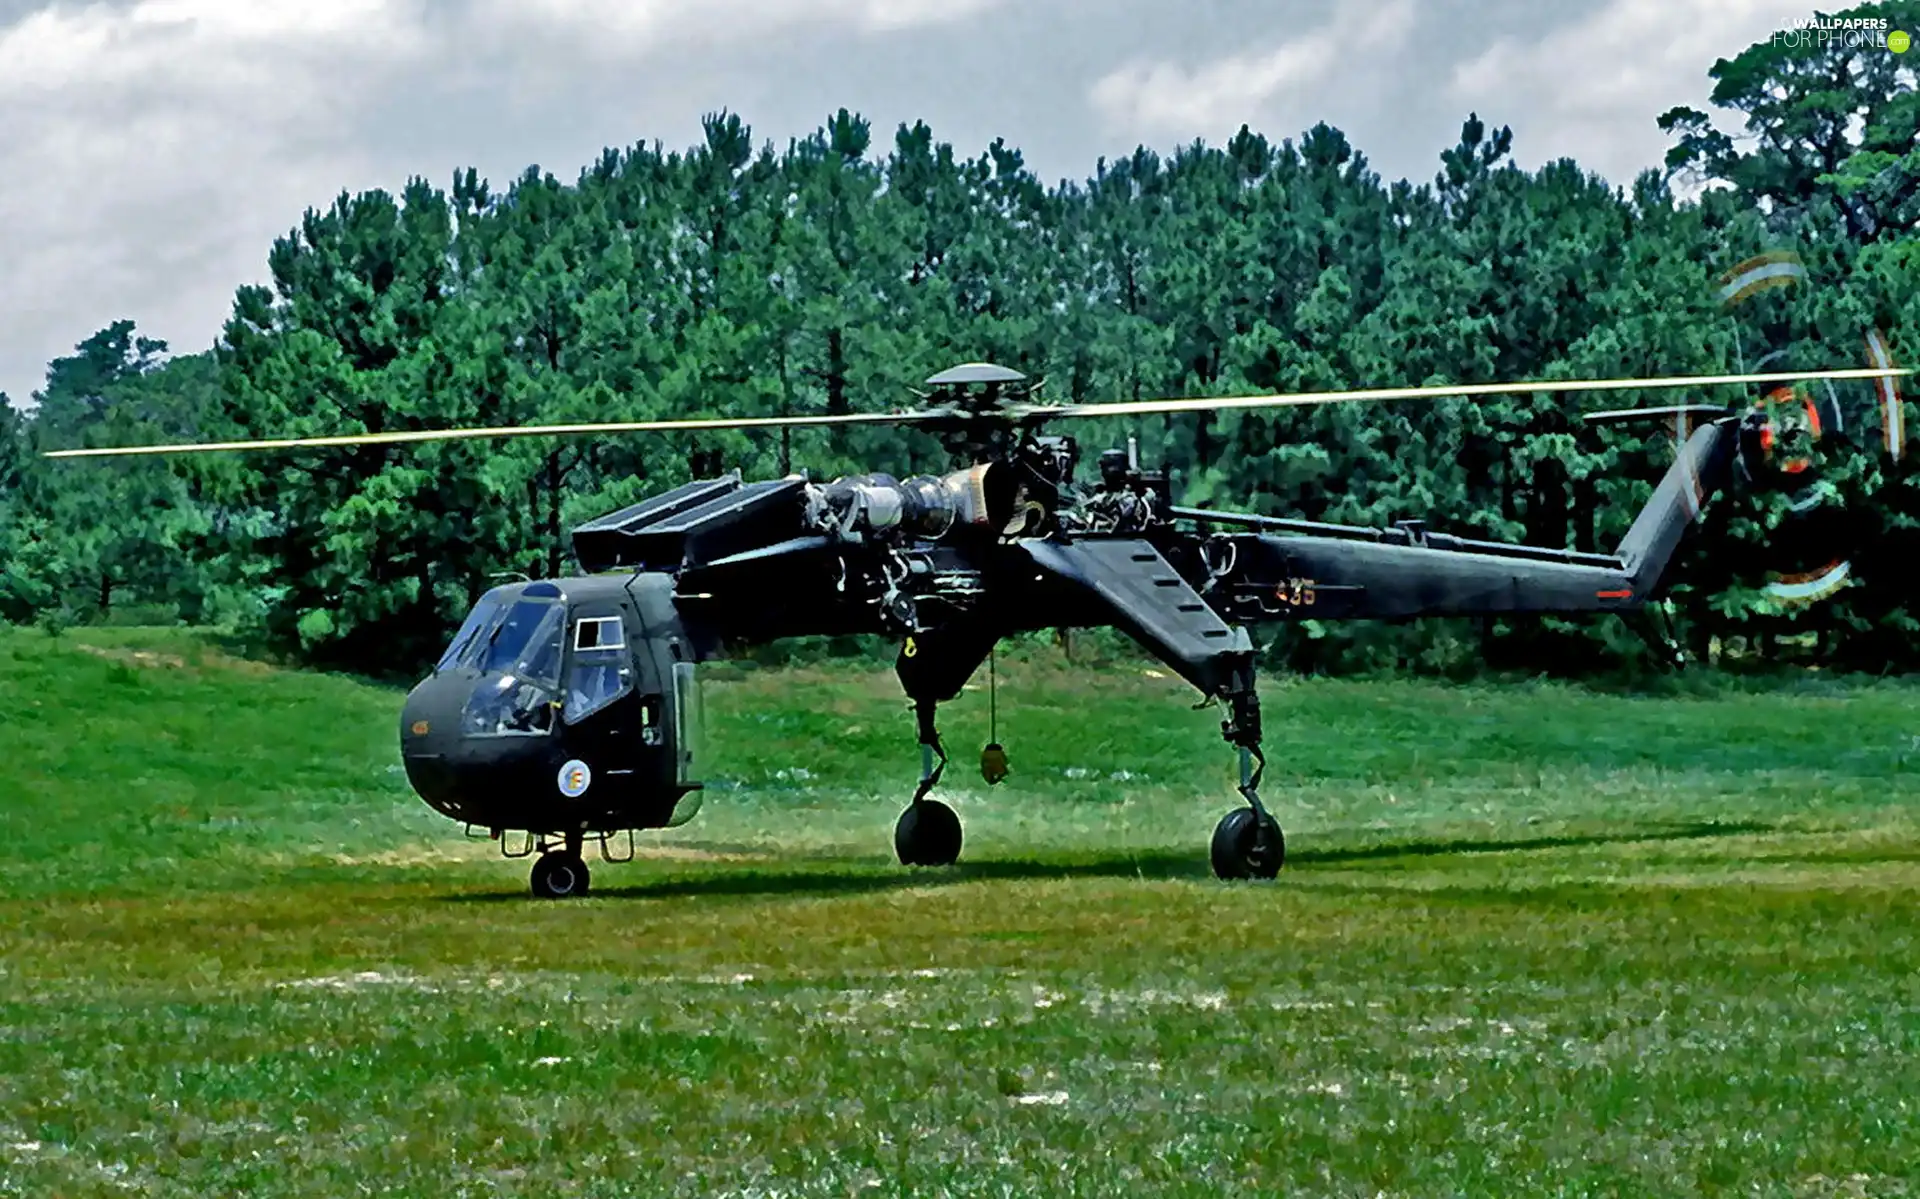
(560, 873)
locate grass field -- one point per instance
(1530, 940)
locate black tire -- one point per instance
(928, 834)
(1241, 851)
(560, 875)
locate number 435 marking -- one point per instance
(1295, 593)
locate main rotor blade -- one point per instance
(1032, 414)
(1216, 403)
(417, 435)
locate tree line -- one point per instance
(830, 275)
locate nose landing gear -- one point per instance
(561, 873)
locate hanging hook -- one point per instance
(993, 759)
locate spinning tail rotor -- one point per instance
(1802, 439)
(1794, 429)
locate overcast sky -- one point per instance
(150, 150)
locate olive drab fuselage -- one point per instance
(569, 707)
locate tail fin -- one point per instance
(1703, 466)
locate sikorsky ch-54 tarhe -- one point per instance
(567, 709)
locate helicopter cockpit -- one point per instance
(559, 702)
(515, 643)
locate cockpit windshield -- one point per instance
(528, 642)
(521, 638)
(478, 623)
(518, 656)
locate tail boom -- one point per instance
(1304, 569)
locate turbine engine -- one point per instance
(924, 507)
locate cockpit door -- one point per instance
(601, 703)
(689, 725)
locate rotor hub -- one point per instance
(979, 388)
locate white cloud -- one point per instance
(903, 14)
(622, 27)
(1150, 98)
(52, 46)
(1591, 90)
(150, 150)
(150, 153)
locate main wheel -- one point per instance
(928, 834)
(559, 875)
(1245, 846)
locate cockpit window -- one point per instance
(517, 650)
(601, 672)
(508, 707)
(539, 660)
(690, 719)
(598, 632)
(479, 622)
(523, 635)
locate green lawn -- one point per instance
(1531, 940)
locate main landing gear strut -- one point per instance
(1247, 843)
(933, 667)
(928, 832)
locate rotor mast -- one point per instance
(982, 405)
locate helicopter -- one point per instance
(568, 710)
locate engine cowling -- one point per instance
(924, 507)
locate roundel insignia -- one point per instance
(574, 778)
